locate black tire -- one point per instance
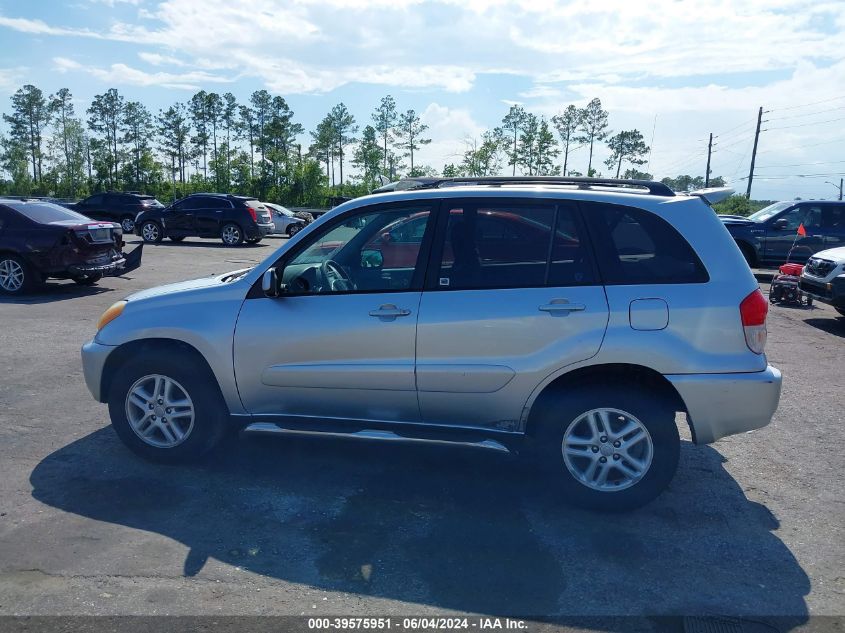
(231, 234)
(151, 232)
(127, 223)
(210, 412)
(16, 276)
(177, 238)
(254, 240)
(88, 280)
(748, 253)
(654, 411)
(293, 229)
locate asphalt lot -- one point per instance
(752, 526)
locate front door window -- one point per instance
(375, 251)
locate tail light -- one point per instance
(252, 213)
(753, 311)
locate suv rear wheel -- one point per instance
(231, 234)
(166, 408)
(151, 231)
(609, 449)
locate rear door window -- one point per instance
(634, 246)
(492, 244)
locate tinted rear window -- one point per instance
(638, 247)
(44, 212)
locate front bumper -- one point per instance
(719, 405)
(94, 357)
(832, 292)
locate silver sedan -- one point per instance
(284, 220)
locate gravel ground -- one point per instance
(751, 526)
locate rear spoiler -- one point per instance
(713, 195)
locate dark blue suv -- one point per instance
(768, 236)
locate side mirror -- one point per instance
(780, 224)
(372, 258)
(270, 283)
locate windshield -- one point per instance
(280, 209)
(45, 212)
(767, 212)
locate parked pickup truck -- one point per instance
(768, 236)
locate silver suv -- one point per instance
(567, 319)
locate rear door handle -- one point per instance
(562, 305)
(388, 310)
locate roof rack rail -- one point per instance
(652, 187)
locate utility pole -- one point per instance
(709, 151)
(840, 187)
(754, 152)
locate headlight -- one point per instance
(111, 314)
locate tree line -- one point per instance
(215, 142)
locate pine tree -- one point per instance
(410, 132)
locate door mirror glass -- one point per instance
(372, 258)
(270, 283)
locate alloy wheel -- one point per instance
(231, 234)
(160, 411)
(607, 449)
(127, 224)
(11, 275)
(150, 232)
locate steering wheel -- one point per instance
(336, 278)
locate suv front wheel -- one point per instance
(609, 449)
(166, 408)
(151, 232)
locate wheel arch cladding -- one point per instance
(127, 351)
(610, 375)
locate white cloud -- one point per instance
(121, 74)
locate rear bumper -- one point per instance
(94, 357)
(719, 405)
(259, 230)
(98, 269)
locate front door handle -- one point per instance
(389, 311)
(562, 305)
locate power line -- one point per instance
(783, 149)
(800, 116)
(785, 176)
(789, 127)
(805, 105)
(823, 162)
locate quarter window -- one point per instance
(638, 247)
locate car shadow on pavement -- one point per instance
(831, 326)
(53, 291)
(446, 528)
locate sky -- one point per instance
(676, 70)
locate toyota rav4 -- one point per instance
(567, 319)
